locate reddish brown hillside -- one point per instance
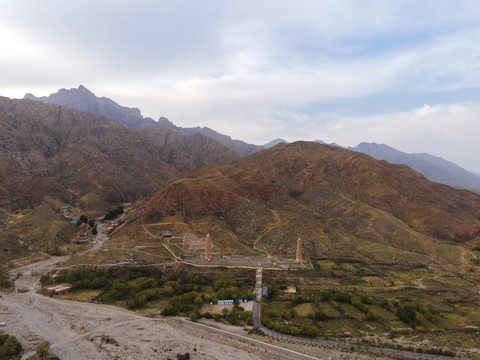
(337, 200)
(303, 168)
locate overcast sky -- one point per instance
(404, 73)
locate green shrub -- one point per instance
(112, 214)
(408, 315)
(309, 331)
(43, 349)
(194, 316)
(169, 311)
(318, 315)
(9, 346)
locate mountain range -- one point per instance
(340, 202)
(67, 154)
(432, 167)
(83, 99)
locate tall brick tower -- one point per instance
(299, 250)
(208, 248)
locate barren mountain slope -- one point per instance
(83, 99)
(187, 152)
(66, 154)
(432, 167)
(342, 204)
(51, 156)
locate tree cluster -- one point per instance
(112, 214)
(9, 346)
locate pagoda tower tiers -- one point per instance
(299, 251)
(208, 248)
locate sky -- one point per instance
(404, 73)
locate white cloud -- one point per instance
(246, 67)
(448, 131)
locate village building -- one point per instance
(225, 302)
(291, 290)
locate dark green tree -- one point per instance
(408, 315)
(9, 346)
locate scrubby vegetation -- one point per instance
(44, 352)
(335, 299)
(338, 299)
(174, 292)
(310, 315)
(112, 214)
(4, 281)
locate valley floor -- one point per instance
(79, 330)
(84, 330)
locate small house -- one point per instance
(291, 290)
(225, 302)
(60, 288)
